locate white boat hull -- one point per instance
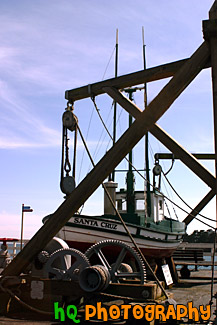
(83, 232)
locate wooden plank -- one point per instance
(160, 72)
(187, 158)
(111, 159)
(135, 290)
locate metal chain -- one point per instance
(67, 165)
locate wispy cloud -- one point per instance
(20, 125)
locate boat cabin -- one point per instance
(120, 197)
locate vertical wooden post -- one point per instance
(212, 36)
(173, 269)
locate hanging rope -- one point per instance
(173, 160)
(75, 151)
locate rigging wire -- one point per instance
(101, 140)
(120, 129)
(88, 129)
(95, 153)
(171, 200)
(168, 210)
(157, 188)
(201, 215)
(100, 116)
(108, 63)
(98, 144)
(118, 120)
(79, 175)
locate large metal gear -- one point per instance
(100, 253)
(66, 264)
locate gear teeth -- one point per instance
(79, 256)
(113, 242)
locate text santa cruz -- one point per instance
(95, 223)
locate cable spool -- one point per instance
(94, 278)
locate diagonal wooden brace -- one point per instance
(187, 158)
(199, 207)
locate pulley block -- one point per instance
(67, 184)
(70, 120)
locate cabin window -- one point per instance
(119, 204)
(124, 206)
(160, 204)
(140, 204)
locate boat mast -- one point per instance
(130, 180)
(112, 177)
(148, 191)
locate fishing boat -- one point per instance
(156, 235)
(143, 212)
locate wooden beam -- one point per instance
(160, 72)
(187, 158)
(111, 159)
(199, 207)
(210, 35)
(202, 156)
(213, 54)
(122, 100)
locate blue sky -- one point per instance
(48, 47)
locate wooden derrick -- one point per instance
(183, 73)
